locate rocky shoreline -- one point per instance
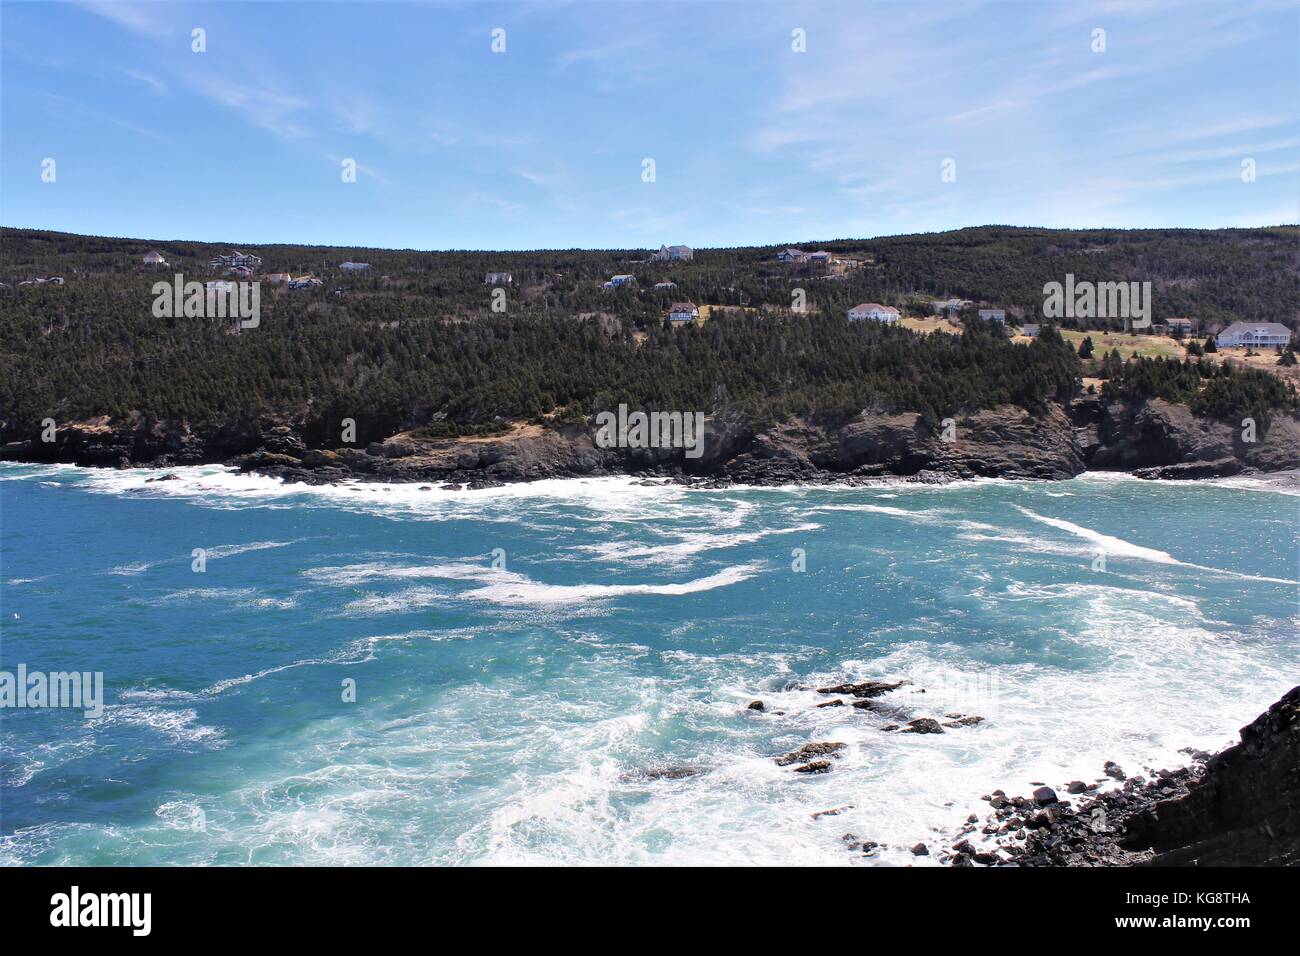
(1240, 807)
(1153, 439)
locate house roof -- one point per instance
(1259, 328)
(683, 307)
(873, 307)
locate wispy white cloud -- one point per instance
(275, 112)
(148, 79)
(141, 19)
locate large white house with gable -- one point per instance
(1254, 335)
(675, 254)
(237, 260)
(874, 312)
(683, 312)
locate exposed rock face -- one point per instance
(1003, 442)
(1239, 808)
(808, 751)
(1174, 443)
(871, 688)
(1155, 439)
(1245, 811)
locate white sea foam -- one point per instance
(505, 587)
(538, 757)
(689, 544)
(922, 517)
(212, 553)
(1119, 547)
(1104, 542)
(517, 589)
(179, 726)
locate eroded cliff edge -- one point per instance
(1153, 438)
(1240, 807)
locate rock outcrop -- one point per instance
(1240, 807)
(1154, 439)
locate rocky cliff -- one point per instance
(1240, 807)
(1153, 439)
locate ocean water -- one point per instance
(526, 659)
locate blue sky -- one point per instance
(542, 146)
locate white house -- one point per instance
(1254, 335)
(665, 285)
(995, 315)
(820, 258)
(1030, 329)
(675, 253)
(498, 278)
(683, 312)
(154, 258)
(237, 258)
(874, 312)
(622, 280)
(355, 266)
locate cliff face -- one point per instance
(1245, 809)
(1175, 443)
(1240, 807)
(1154, 439)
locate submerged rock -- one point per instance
(664, 773)
(816, 766)
(870, 688)
(923, 725)
(833, 812)
(816, 749)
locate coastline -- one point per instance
(1238, 807)
(1285, 482)
(1154, 440)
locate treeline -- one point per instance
(95, 348)
(1215, 276)
(415, 343)
(1218, 390)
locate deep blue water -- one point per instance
(508, 714)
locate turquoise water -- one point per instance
(508, 714)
